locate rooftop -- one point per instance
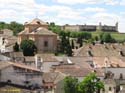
(52, 77)
(38, 31)
(6, 64)
(47, 57)
(101, 50)
(36, 21)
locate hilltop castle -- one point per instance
(90, 28)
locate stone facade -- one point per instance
(37, 30)
(10, 71)
(89, 28)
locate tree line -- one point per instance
(14, 26)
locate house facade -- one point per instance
(7, 40)
(37, 30)
(19, 74)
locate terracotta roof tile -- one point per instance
(53, 77)
(46, 57)
(73, 70)
(6, 64)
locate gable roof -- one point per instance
(6, 64)
(114, 62)
(53, 77)
(47, 57)
(101, 50)
(73, 70)
(42, 31)
(38, 31)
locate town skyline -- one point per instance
(65, 12)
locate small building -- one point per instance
(53, 82)
(20, 74)
(7, 40)
(109, 86)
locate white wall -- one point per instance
(117, 72)
(9, 74)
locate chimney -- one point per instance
(38, 62)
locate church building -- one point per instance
(37, 30)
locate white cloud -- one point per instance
(112, 2)
(94, 9)
(24, 10)
(78, 1)
(72, 2)
(122, 2)
(106, 16)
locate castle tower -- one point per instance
(99, 27)
(116, 25)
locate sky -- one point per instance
(91, 12)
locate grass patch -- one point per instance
(115, 35)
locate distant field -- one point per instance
(117, 36)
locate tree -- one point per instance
(72, 44)
(96, 38)
(63, 42)
(16, 27)
(70, 85)
(28, 47)
(16, 47)
(106, 37)
(3, 25)
(55, 28)
(80, 41)
(90, 84)
(68, 48)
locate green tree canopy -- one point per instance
(28, 47)
(90, 84)
(65, 46)
(16, 47)
(70, 85)
(106, 37)
(14, 26)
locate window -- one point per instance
(45, 43)
(110, 88)
(38, 22)
(121, 76)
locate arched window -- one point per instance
(45, 43)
